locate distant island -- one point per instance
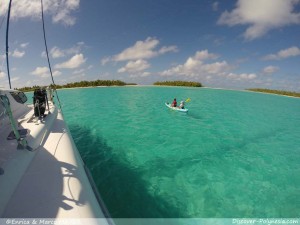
(287, 93)
(178, 83)
(96, 83)
(82, 84)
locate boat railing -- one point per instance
(22, 142)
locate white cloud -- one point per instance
(261, 16)
(79, 76)
(56, 52)
(204, 55)
(134, 66)
(24, 45)
(82, 70)
(142, 74)
(205, 67)
(270, 69)
(41, 72)
(285, 53)
(105, 60)
(249, 76)
(166, 49)
(79, 71)
(60, 10)
(215, 6)
(145, 74)
(18, 54)
(56, 73)
(196, 67)
(44, 72)
(243, 76)
(15, 79)
(2, 74)
(63, 15)
(75, 62)
(142, 50)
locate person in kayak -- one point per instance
(181, 106)
(174, 103)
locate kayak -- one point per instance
(176, 108)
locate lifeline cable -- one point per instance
(44, 32)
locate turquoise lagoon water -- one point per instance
(234, 154)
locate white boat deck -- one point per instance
(48, 182)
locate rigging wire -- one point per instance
(45, 41)
(7, 28)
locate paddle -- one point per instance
(187, 100)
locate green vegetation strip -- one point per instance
(179, 83)
(288, 93)
(82, 84)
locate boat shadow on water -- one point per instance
(194, 116)
(121, 187)
(190, 114)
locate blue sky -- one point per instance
(224, 44)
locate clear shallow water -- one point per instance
(235, 154)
